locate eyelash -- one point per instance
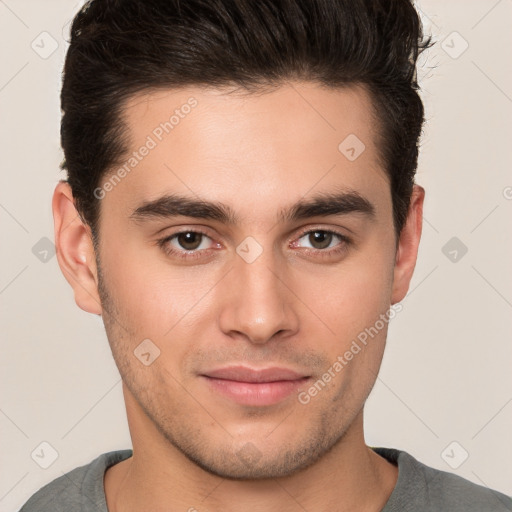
(163, 243)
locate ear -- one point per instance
(75, 250)
(408, 243)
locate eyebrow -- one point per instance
(324, 204)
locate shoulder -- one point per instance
(435, 490)
(80, 489)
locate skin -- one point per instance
(294, 306)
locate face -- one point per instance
(243, 256)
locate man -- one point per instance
(240, 209)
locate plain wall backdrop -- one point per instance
(444, 392)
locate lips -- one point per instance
(245, 374)
(255, 387)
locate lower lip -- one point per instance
(256, 393)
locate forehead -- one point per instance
(239, 148)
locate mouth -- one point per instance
(254, 387)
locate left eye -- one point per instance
(321, 239)
(189, 241)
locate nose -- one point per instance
(257, 303)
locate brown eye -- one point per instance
(322, 243)
(188, 246)
(320, 239)
(189, 240)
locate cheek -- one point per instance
(351, 297)
(153, 296)
(354, 304)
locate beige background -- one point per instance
(446, 373)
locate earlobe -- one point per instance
(409, 241)
(75, 250)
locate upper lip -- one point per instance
(245, 374)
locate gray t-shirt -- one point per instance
(419, 489)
